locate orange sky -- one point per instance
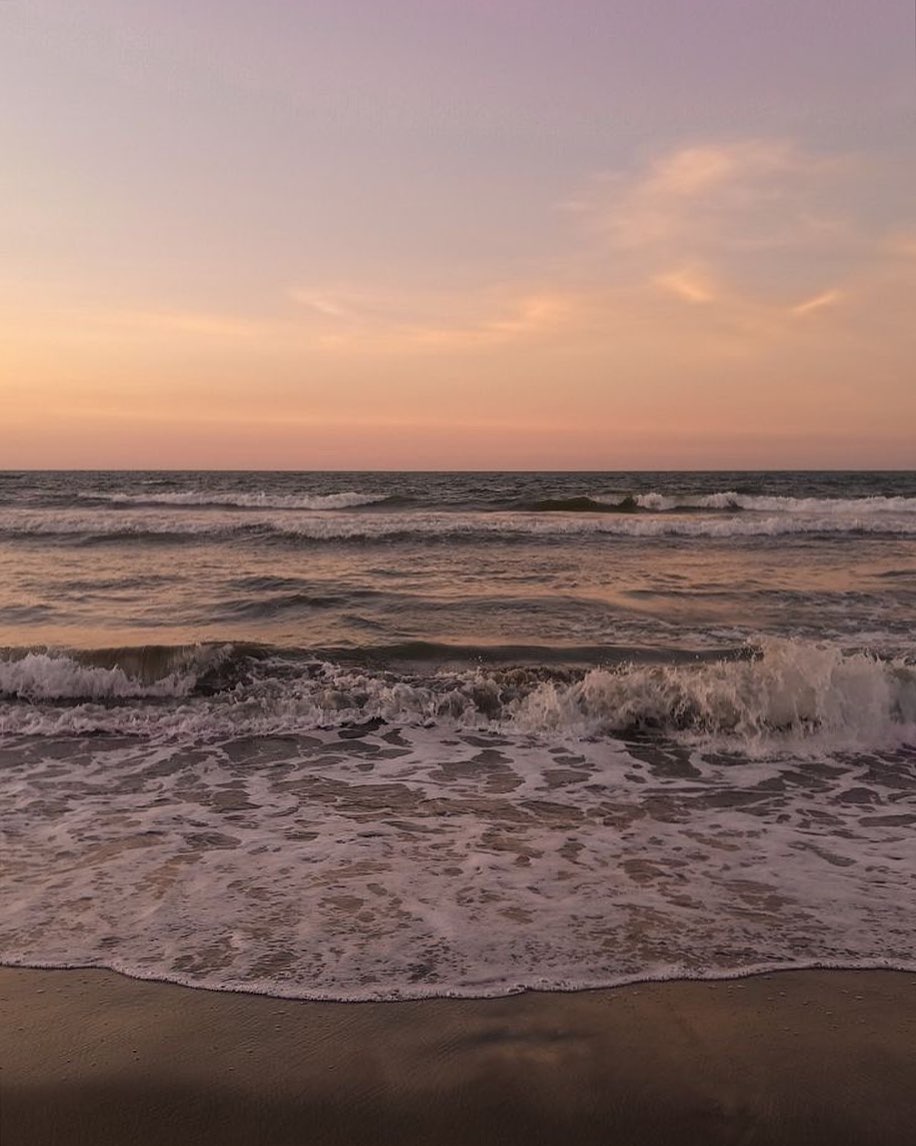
(722, 295)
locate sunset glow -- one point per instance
(457, 235)
(457, 565)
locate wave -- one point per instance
(257, 608)
(111, 674)
(139, 671)
(731, 500)
(464, 500)
(579, 505)
(88, 529)
(728, 501)
(781, 689)
(404, 986)
(205, 499)
(630, 503)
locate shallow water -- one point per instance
(376, 735)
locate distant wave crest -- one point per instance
(211, 499)
(164, 526)
(462, 501)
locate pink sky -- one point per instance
(457, 234)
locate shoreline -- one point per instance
(783, 1057)
(470, 994)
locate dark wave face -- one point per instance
(780, 688)
(626, 504)
(374, 735)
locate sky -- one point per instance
(457, 234)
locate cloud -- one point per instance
(827, 298)
(719, 247)
(747, 194)
(394, 320)
(692, 171)
(753, 235)
(322, 304)
(750, 234)
(688, 285)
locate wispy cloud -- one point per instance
(749, 235)
(826, 298)
(327, 305)
(386, 320)
(738, 230)
(687, 284)
(740, 195)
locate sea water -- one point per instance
(376, 735)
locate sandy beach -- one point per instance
(793, 1057)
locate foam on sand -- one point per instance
(388, 863)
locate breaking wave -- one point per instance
(165, 528)
(582, 504)
(782, 688)
(203, 499)
(730, 500)
(464, 499)
(109, 674)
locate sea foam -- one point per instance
(157, 524)
(785, 691)
(401, 862)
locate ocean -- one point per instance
(389, 735)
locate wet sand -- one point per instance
(90, 1057)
